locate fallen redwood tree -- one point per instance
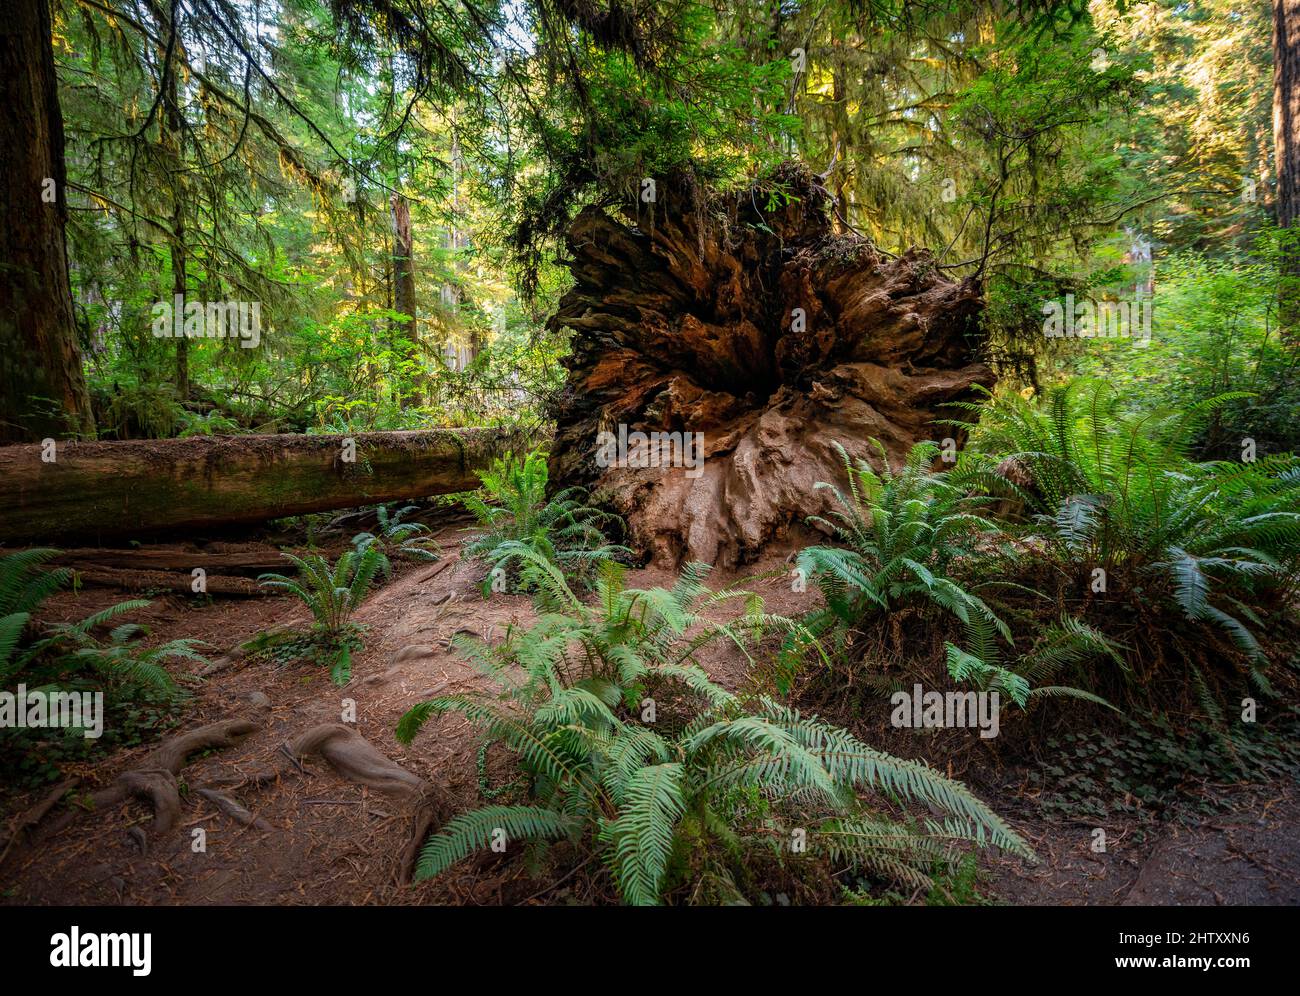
(129, 487)
(748, 320)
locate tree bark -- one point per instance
(1286, 119)
(768, 334)
(404, 281)
(42, 386)
(104, 489)
(172, 136)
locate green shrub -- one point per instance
(332, 593)
(910, 538)
(404, 539)
(140, 696)
(565, 530)
(1116, 498)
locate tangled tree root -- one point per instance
(155, 780)
(358, 760)
(762, 334)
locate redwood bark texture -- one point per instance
(404, 282)
(42, 387)
(747, 319)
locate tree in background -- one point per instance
(42, 386)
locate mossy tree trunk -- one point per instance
(138, 487)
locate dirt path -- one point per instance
(322, 839)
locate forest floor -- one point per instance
(322, 839)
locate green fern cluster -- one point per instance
(653, 795)
(71, 651)
(332, 592)
(1113, 489)
(403, 539)
(1060, 648)
(513, 509)
(909, 537)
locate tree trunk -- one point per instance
(171, 139)
(404, 280)
(132, 487)
(1286, 119)
(42, 386)
(768, 334)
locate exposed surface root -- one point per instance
(432, 812)
(157, 787)
(357, 759)
(24, 822)
(233, 809)
(155, 780)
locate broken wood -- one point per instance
(139, 486)
(215, 585)
(748, 320)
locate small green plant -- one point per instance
(140, 696)
(24, 585)
(1059, 648)
(402, 539)
(332, 592)
(71, 651)
(633, 754)
(1149, 769)
(213, 423)
(121, 658)
(514, 511)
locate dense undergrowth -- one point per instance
(1128, 605)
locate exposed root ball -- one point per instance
(748, 322)
(155, 779)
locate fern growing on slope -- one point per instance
(1060, 648)
(332, 593)
(404, 539)
(1114, 493)
(910, 537)
(565, 530)
(655, 798)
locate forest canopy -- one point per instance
(391, 182)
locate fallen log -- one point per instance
(130, 487)
(747, 325)
(216, 585)
(251, 562)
